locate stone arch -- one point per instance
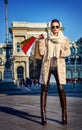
(69, 74)
(75, 74)
(20, 72)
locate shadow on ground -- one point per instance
(23, 114)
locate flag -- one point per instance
(26, 44)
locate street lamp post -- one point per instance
(6, 19)
(75, 56)
(75, 61)
(8, 47)
(7, 69)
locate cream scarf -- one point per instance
(54, 43)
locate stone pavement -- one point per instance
(22, 112)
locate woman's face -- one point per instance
(55, 27)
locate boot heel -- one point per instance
(44, 121)
(64, 120)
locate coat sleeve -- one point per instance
(42, 47)
(65, 48)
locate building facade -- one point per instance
(19, 32)
(2, 60)
(74, 62)
(23, 65)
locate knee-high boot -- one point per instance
(43, 100)
(64, 107)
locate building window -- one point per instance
(0, 76)
(1, 52)
(80, 50)
(67, 60)
(0, 61)
(75, 74)
(18, 47)
(68, 74)
(78, 60)
(72, 59)
(20, 72)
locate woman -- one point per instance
(54, 49)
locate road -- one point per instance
(22, 112)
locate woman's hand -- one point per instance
(41, 37)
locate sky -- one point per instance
(67, 11)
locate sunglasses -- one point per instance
(55, 27)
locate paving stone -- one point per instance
(22, 112)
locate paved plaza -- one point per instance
(22, 112)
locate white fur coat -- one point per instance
(63, 51)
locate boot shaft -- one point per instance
(64, 107)
(43, 101)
